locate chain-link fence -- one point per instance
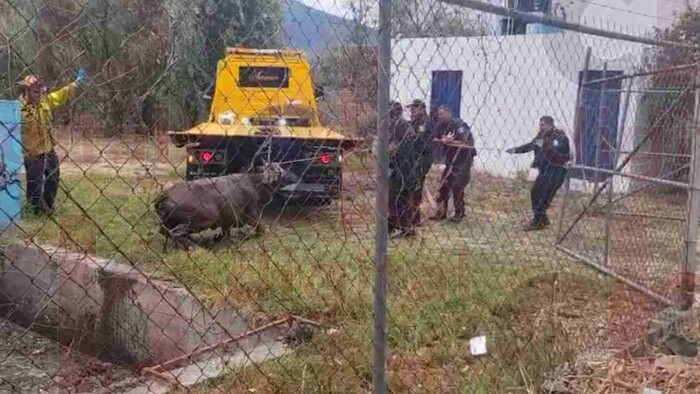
(259, 196)
(643, 221)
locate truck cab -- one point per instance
(264, 108)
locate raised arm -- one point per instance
(60, 97)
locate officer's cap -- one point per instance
(418, 103)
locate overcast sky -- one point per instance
(622, 13)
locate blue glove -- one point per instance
(82, 77)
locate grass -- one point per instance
(454, 282)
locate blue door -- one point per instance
(10, 163)
(595, 134)
(446, 89)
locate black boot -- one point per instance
(409, 233)
(539, 222)
(441, 213)
(458, 216)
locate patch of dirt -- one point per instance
(631, 314)
(624, 372)
(32, 363)
(28, 361)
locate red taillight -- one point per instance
(206, 156)
(326, 159)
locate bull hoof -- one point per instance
(184, 244)
(218, 241)
(256, 232)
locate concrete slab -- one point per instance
(260, 345)
(106, 308)
(213, 367)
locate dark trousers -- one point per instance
(43, 173)
(454, 180)
(416, 201)
(548, 182)
(404, 212)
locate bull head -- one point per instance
(274, 174)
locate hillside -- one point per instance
(314, 30)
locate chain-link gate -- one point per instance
(634, 226)
(338, 196)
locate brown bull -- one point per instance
(222, 203)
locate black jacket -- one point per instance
(425, 132)
(550, 147)
(461, 132)
(405, 165)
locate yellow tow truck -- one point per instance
(264, 108)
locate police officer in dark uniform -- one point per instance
(457, 137)
(404, 178)
(552, 153)
(399, 126)
(423, 126)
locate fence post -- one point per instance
(577, 120)
(10, 84)
(611, 184)
(623, 122)
(598, 131)
(379, 384)
(689, 263)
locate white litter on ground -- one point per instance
(477, 346)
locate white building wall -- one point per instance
(635, 16)
(509, 82)
(631, 16)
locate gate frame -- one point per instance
(688, 264)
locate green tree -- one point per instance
(253, 24)
(18, 45)
(124, 44)
(667, 110)
(140, 54)
(200, 32)
(420, 18)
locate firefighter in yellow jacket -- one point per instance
(39, 139)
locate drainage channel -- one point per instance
(124, 331)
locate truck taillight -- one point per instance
(207, 156)
(326, 159)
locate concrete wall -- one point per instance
(105, 308)
(509, 82)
